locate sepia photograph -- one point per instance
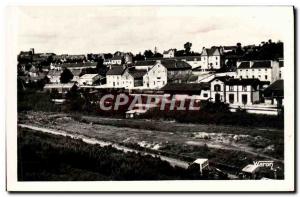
(144, 98)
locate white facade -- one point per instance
(156, 77)
(217, 92)
(114, 81)
(211, 59)
(116, 61)
(169, 54)
(269, 74)
(241, 94)
(127, 80)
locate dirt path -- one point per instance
(171, 161)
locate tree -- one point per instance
(66, 76)
(139, 56)
(157, 55)
(148, 54)
(187, 47)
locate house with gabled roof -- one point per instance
(211, 58)
(167, 71)
(114, 76)
(169, 53)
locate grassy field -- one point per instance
(46, 157)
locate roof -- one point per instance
(115, 70)
(137, 73)
(275, 89)
(261, 64)
(221, 78)
(244, 65)
(251, 168)
(186, 86)
(145, 63)
(166, 52)
(76, 72)
(200, 161)
(70, 65)
(189, 58)
(116, 57)
(175, 65)
(88, 76)
(235, 81)
(211, 51)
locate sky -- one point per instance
(82, 30)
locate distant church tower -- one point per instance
(155, 50)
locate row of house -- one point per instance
(148, 74)
(210, 58)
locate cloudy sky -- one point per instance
(81, 30)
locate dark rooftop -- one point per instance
(115, 70)
(145, 63)
(244, 65)
(275, 89)
(175, 65)
(261, 64)
(186, 87)
(136, 73)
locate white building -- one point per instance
(211, 59)
(166, 71)
(156, 77)
(235, 91)
(114, 77)
(264, 70)
(88, 79)
(169, 53)
(54, 76)
(242, 91)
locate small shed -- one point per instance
(135, 112)
(203, 164)
(250, 170)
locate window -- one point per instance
(247, 76)
(258, 69)
(158, 77)
(244, 88)
(217, 58)
(259, 76)
(252, 76)
(231, 98)
(266, 69)
(231, 88)
(216, 63)
(205, 95)
(252, 69)
(241, 70)
(266, 77)
(217, 87)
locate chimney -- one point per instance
(32, 50)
